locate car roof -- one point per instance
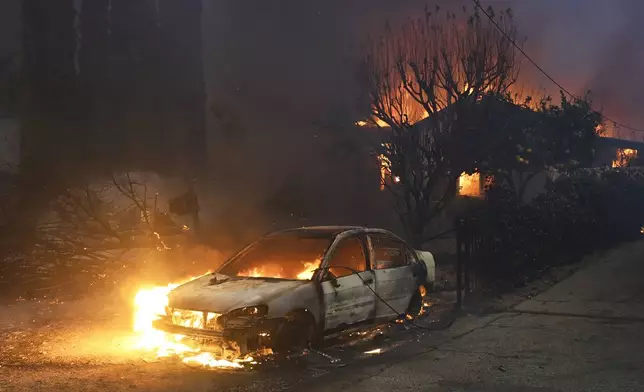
(335, 230)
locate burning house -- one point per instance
(615, 152)
(609, 151)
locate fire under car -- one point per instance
(295, 287)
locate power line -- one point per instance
(562, 88)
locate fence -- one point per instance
(469, 259)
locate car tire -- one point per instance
(297, 332)
(415, 304)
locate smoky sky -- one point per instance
(295, 59)
(281, 65)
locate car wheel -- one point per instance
(296, 333)
(416, 303)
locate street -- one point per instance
(583, 334)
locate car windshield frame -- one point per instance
(327, 238)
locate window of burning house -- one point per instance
(624, 157)
(474, 185)
(282, 256)
(386, 175)
(470, 185)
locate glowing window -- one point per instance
(470, 185)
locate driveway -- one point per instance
(584, 334)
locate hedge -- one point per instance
(578, 214)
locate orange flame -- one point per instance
(469, 185)
(150, 304)
(624, 157)
(276, 271)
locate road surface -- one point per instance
(586, 333)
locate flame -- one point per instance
(309, 270)
(263, 271)
(149, 304)
(374, 351)
(600, 129)
(385, 170)
(276, 271)
(624, 157)
(469, 185)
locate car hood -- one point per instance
(221, 294)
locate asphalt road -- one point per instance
(583, 334)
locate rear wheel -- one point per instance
(416, 303)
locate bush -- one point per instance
(577, 215)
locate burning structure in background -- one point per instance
(624, 157)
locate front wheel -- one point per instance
(296, 333)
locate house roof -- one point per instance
(491, 99)
(481, 107)
(622, 143)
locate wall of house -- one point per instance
(604, 155)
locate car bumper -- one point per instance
(167, 326)
(252, 336)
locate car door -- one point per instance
(348, 297)
(393, 265)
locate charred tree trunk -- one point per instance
(49, 142)
(184, 82)
(93, 63)
(134, 80)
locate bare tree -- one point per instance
(101, 222)
(423, 82)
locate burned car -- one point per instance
(292, 288)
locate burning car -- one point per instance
(292, 288)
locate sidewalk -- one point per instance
(586, 333)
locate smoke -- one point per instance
(293, 59)
(281, 66)
(589, 45)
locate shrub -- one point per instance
(578, 214)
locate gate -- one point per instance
(469, 259)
